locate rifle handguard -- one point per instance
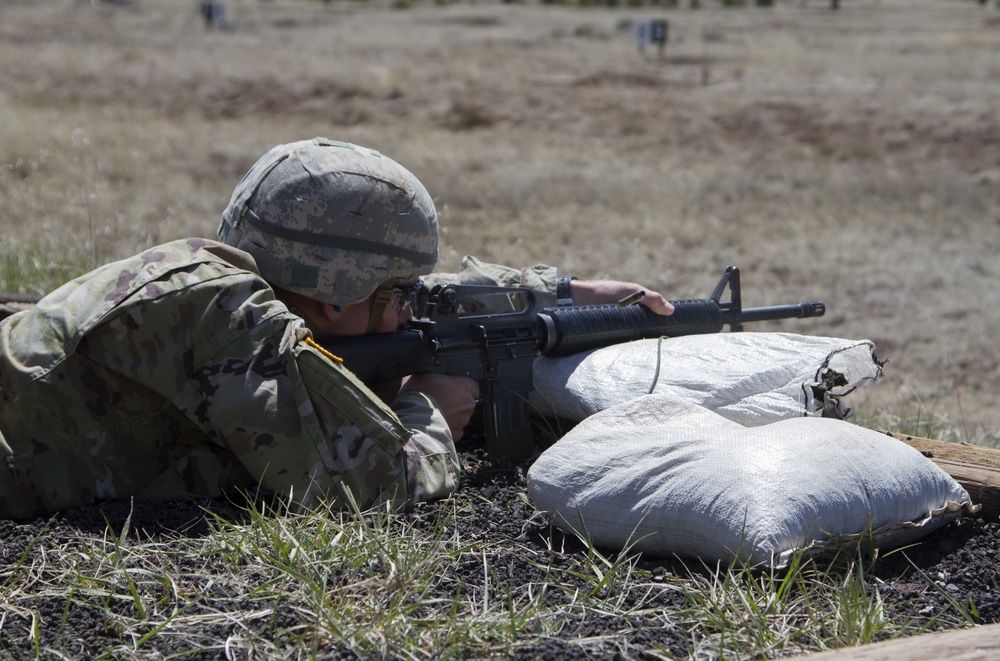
(581, 328)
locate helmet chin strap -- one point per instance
(383, 295)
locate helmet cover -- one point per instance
(331, 220)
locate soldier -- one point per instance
(191, 369)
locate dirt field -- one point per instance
(850, 156)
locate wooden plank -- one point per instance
(11, 303)
(975, 467)
(975, 644)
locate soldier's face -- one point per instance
(353, 319)
(394, 315)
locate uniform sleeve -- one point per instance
(540, 278)
(432, 463)
(404, 454)
(312, 431)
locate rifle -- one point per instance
(499, 349)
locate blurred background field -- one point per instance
(851, 156)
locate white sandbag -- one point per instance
(750, 378)
(672, 478)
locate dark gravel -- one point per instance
(497, 521)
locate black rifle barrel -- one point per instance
(794, 311)
(573, 329)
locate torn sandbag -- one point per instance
(750, 378)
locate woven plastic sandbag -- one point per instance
(751, 378)
(667, 477)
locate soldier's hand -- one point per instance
(456, 395)
(600, 292)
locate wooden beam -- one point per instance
(975, 467)
(975, 644)
(11, 303)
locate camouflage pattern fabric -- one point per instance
(540, 279)
(176, 373)
(331, 220)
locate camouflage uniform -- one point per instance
(177, 373)
(540, 279)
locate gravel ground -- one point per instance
(496, 517)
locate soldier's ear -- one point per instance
(329, 312)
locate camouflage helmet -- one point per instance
(332, 221)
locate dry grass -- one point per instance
(852, 156)
(332, 584)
